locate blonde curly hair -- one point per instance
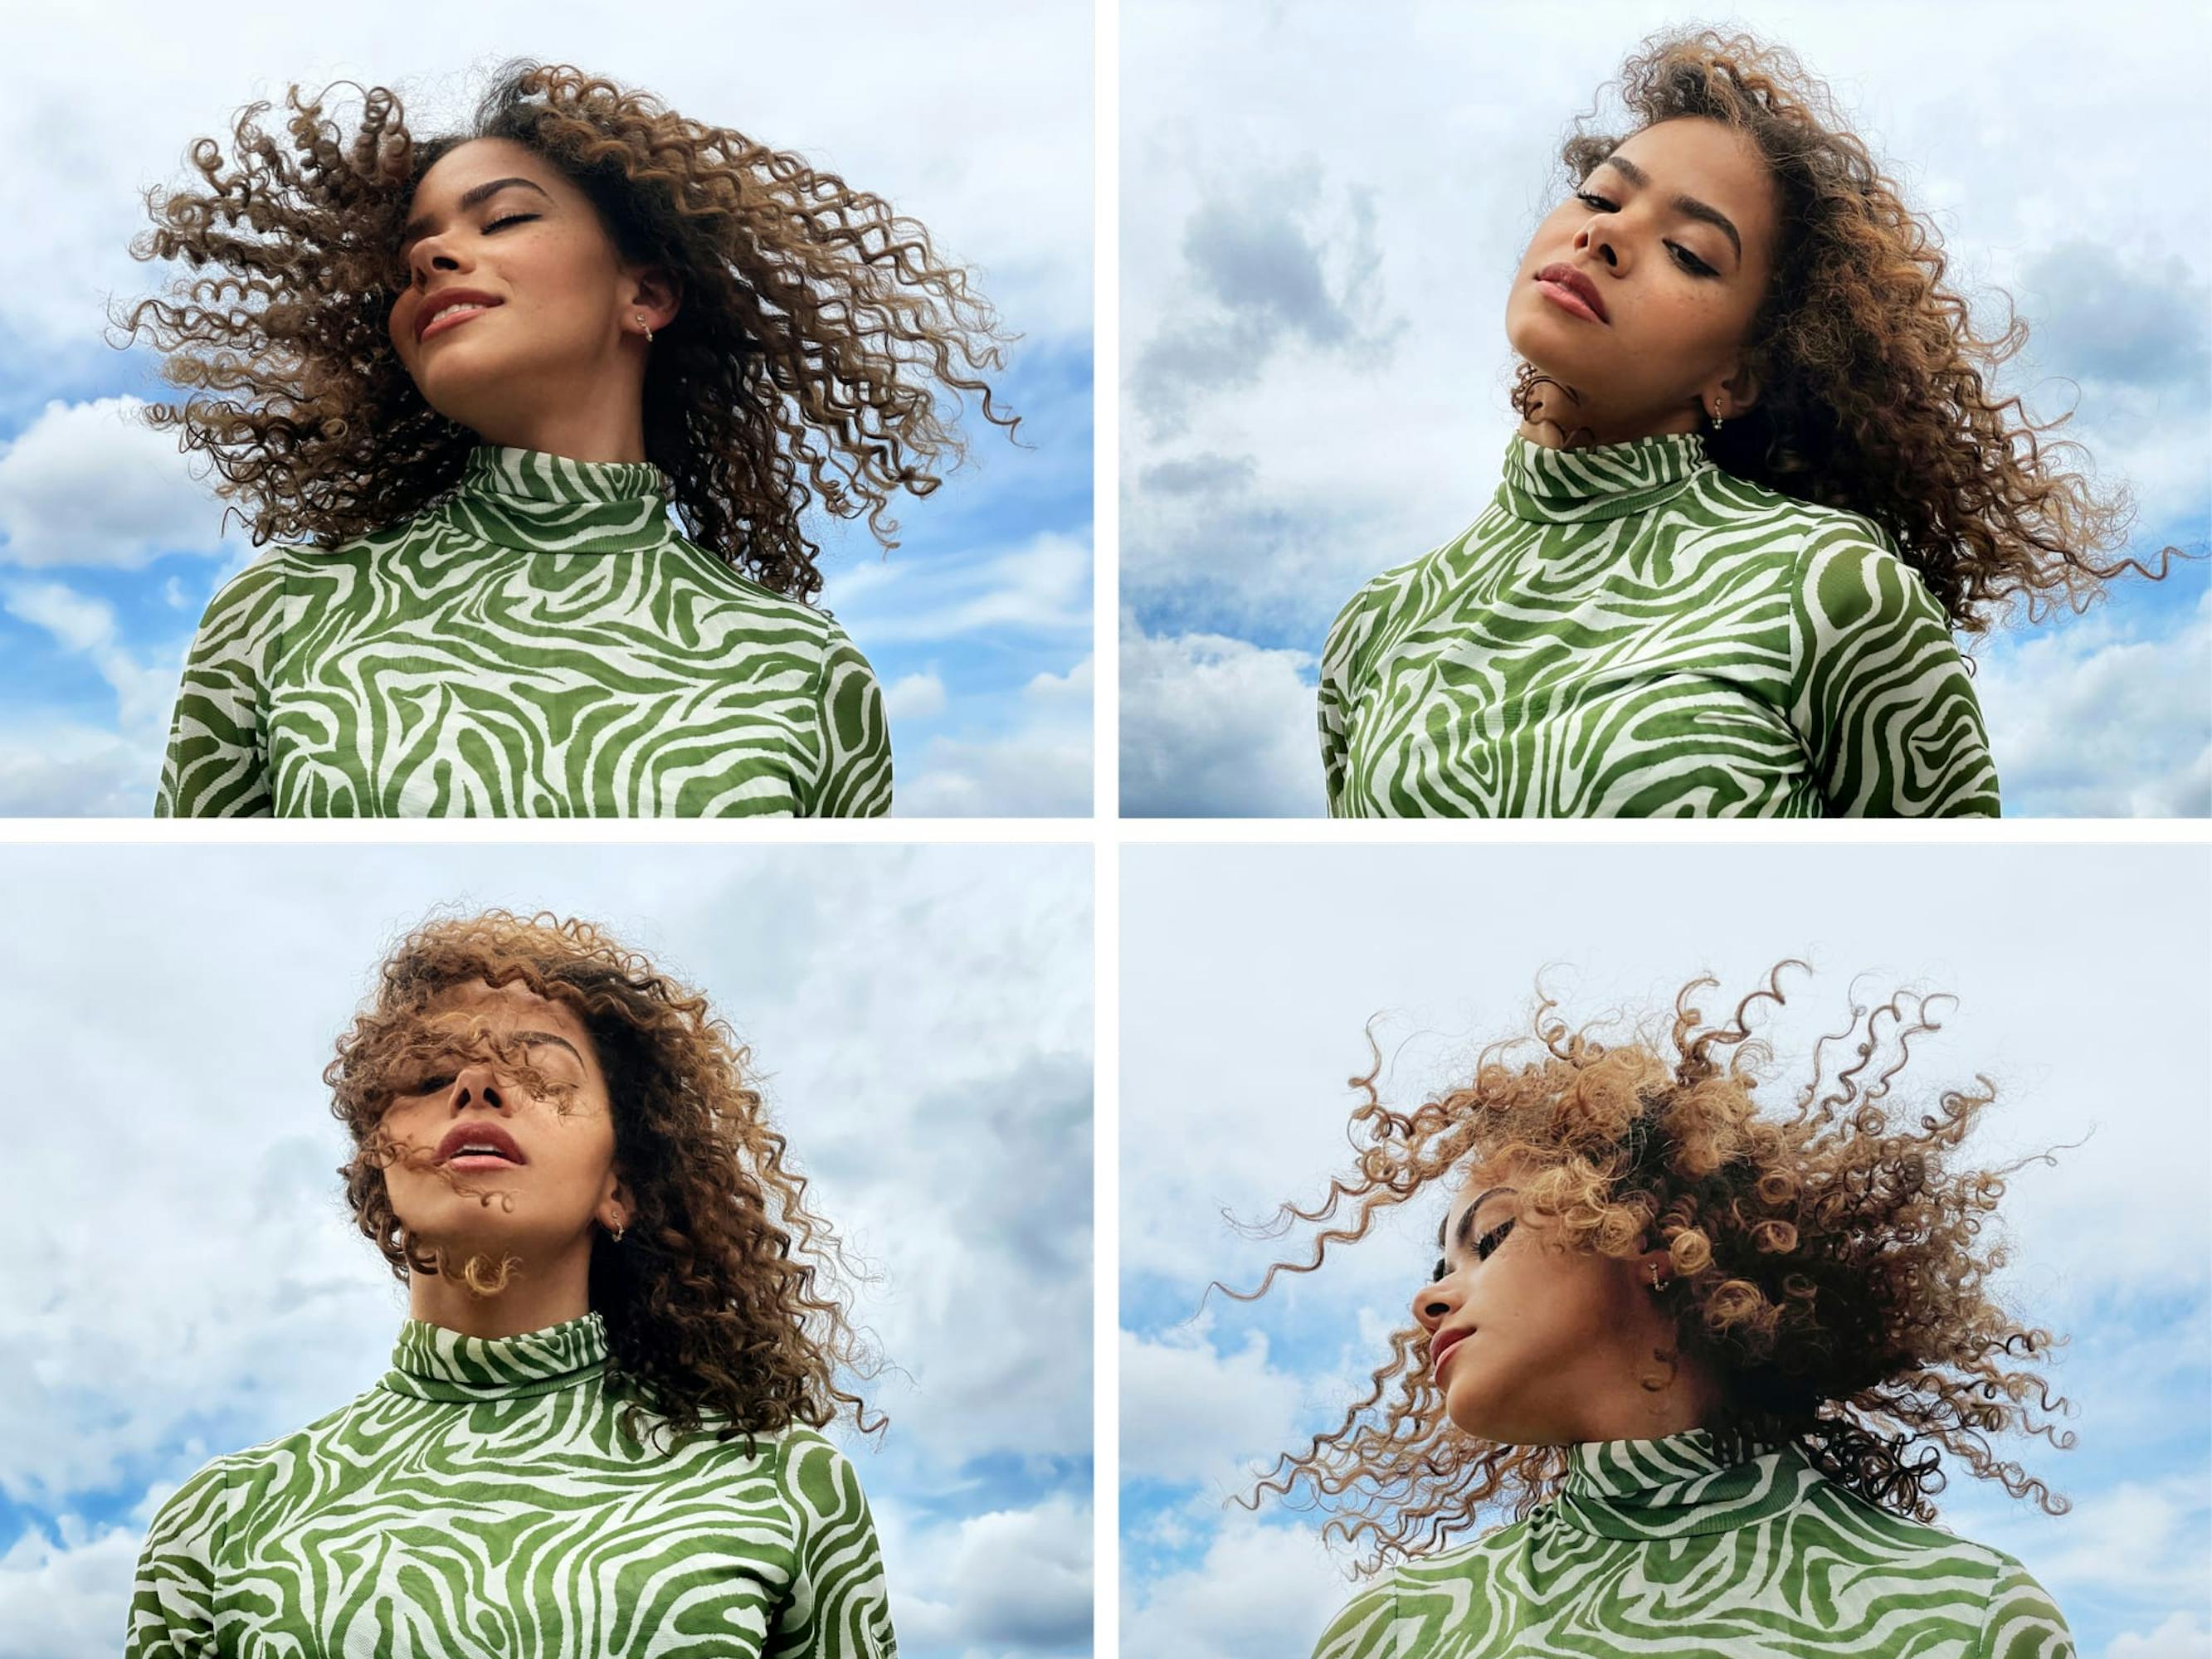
(1828, 1265)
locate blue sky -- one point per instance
(979, 624)
(1315, 372)
(186, 1281)
(2083, 996)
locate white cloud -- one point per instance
(1259, 1592)
(2180, 1637)
(913, 696)
(1192, 1415)
(2092, 720)
(53, 766)
(1212, 725)
(143, 691)
(89, 484)
(1044, 585)
(1039, 767)
(1007, 1580)
(65, 1595)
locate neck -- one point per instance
(1689, 1398)
(604, 428)
(1573, 431)
(538, 1293)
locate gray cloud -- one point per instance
(1278, 272)
(2096, 315)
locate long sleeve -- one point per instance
(1368, 1627)
(1331, 710)
(1881, 696)
(854, 778)
(839, 1606)
(2022, 1622)
(217, 764)
(172, 1601)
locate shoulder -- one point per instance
(1918, 1548)
(816, 1475)
(218, 1485)
(1377, 599)
(793, 618)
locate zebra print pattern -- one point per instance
(1630, 631)
(542, 643)
(481, 1503)
(1656, 1548)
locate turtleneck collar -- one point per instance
(432, 1362)
(1677, 1486)
(543, 503)
(1604, 480)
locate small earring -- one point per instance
(1657, 1283)
(1716, 421)
(617, 1231)
(642, 324)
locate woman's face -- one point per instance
(553, 309)
(1678, 290)
(1533, 1343)
(487, 1160)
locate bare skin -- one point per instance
(1555, 1346)
(545, 1212)
(1678, 297)
(558, 363)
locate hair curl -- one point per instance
(813, 319)
(722, 1298)
(1873, 396)
(1827, 1266)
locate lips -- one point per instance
(1578, 283)
(1440, 1349)
(479, 1146)
(438, 311)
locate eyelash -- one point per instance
(1691, 263)
(1485, 1247)
(511, 219)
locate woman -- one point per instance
(462, 380)
(1756, 482)
(598, 1433)
(1706, 1357)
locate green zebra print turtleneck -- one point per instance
(1657, 1548)
(481, 1502)
(1628, 630)
(541, 643)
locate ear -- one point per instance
(1647, 1265)
(657, 292)
(1738, 392)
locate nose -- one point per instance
(477, 1085)
(1434, 1304)
(427, 255)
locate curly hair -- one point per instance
(1828, 1265)
(722, 1298)
(1872, 395)
(814, 318)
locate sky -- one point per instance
(973, 120)
(2080, 975)
(184, 1280)
(1321, 208)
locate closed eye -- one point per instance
(511, 219)
(1690, 261)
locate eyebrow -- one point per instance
(1688, 206)
(469, 197)
(1464, 1233)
